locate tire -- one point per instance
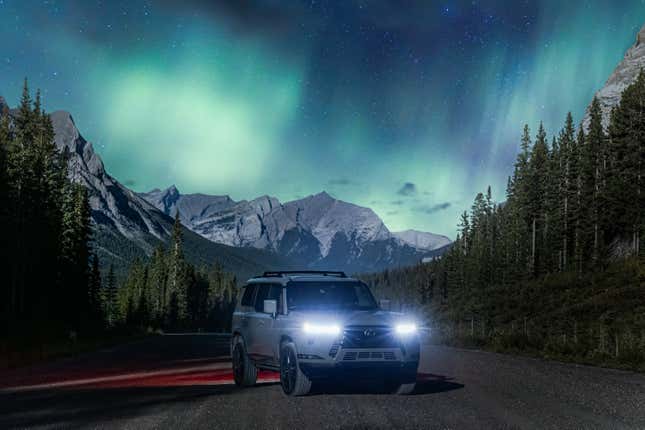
(245, 373)
(403, 389)
(293, 381)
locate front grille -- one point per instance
(389, 355)
(369, 355)
(369, 337)
(349, 356)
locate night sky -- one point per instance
(408, 110)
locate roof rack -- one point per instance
(281, 273)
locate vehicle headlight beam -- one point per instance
(405, 329)
(324, 329)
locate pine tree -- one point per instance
(110, 298)
(129, 294)
(75, 252)
(553, 211)
(143, 308)
(568, 173)
(158, 285)
(520, 203)
(177, 276)
(536, 179)
(95, 302)
(577, 207)
(592, 163)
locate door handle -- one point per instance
(260, 322)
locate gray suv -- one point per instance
(315, 325)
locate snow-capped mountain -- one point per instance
(316, 231)
(623, 75)
(422, 240)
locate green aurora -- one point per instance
(288, 99)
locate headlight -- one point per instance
(331, 329)
(405, 328)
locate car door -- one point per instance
(259, 325)
(270, 343)
(241, 315)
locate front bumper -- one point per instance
(401, 371)
(383, 355)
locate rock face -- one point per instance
(623, 75)
(317, 231)
(113, 205)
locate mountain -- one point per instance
(317, 231)
(247, 237)
(422, 240)
(127, 226)
(623, 75)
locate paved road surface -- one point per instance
(184, 381)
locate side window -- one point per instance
(275, 293)
(249, 292)
(263, 292)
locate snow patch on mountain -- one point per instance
(422, 240)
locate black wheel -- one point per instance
(294, 382)
(244, 371)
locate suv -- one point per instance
(313, 325)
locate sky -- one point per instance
(407, 107)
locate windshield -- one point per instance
(329, 295)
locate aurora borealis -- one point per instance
(410, 110)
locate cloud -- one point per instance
(390, 213)
(408, 189)
(342, 182)
(429, 209)
(129, 182)
(397, 202)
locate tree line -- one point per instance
(568, 237)
(574, 204)
(46, 231)
(168, 292)
(52, 285)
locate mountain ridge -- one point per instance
(316, 230)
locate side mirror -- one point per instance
(385, 304)
(271, 307)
